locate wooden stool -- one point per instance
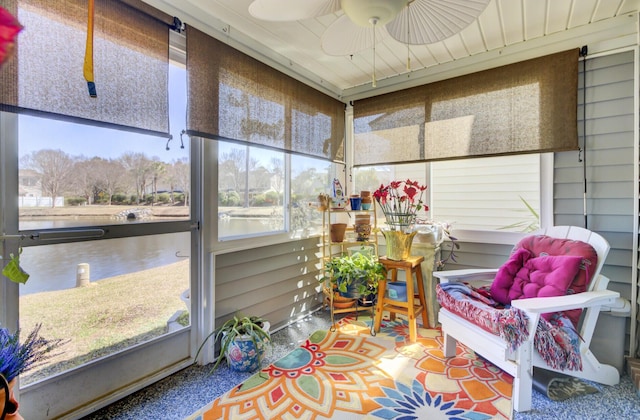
(410, 308)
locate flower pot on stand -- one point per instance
(355, 202)
(363, 232)
(398, 244)
(362, 227)
(365, 197)
(336, 231)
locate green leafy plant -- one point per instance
(363, 270)
(251, 327)
(525, 226)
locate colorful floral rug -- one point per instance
(349, 374)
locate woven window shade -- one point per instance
(234, 97)
(527, 107)
(131, 65)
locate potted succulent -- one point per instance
(354, 275)
(243, 340)
(15, 358)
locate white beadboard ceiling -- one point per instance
(505, 26)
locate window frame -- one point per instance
(173, 350)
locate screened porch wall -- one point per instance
(610, 172)
(277, 282)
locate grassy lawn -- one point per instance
(107, 316)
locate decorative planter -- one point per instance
(367, 300)
(398, 244)
(339, 302)
(243, 356)
(352, 291)
(8, 403)
(397, 290)
(363, 232)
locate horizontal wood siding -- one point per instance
(475, 255)
(277, 282)
(610, 165)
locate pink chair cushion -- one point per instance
(544, 266)
(525, 276)
(546, 245)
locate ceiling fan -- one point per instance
(366, 22)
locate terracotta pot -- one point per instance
(336, 231)
(365, 194)
(9, 406)
(366, 203)
(362, 219)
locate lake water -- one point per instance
(55, 267)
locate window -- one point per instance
(309, 177)
(250, 191)
(495, 194)
(255, 185)
(106, 219)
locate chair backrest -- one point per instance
(576, 233)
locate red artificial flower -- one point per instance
(9, 28)
(400, 200)
(410, 191)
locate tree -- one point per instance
(309, 183)
(157, 169)
(277, 176)
(55, 168)
(84, 182)
(367, 179)
(236, 167)
(111, 176)
(232, 166)
(138, 166)
(181, 175)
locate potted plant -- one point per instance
(243, 340)
(354, 275)
(15, 358)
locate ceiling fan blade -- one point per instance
(288, 10)
(343, 37)
(431, 21)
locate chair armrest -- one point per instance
(472, 274)
(563, 303)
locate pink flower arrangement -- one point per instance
(400, 200)
(9, 28)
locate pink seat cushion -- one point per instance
(524, 276)
(542, 266)
(546, 245)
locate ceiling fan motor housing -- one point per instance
(363, 12)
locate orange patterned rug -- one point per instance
(349, 374)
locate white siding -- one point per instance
(487, 193)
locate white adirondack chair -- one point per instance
(520, 363)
